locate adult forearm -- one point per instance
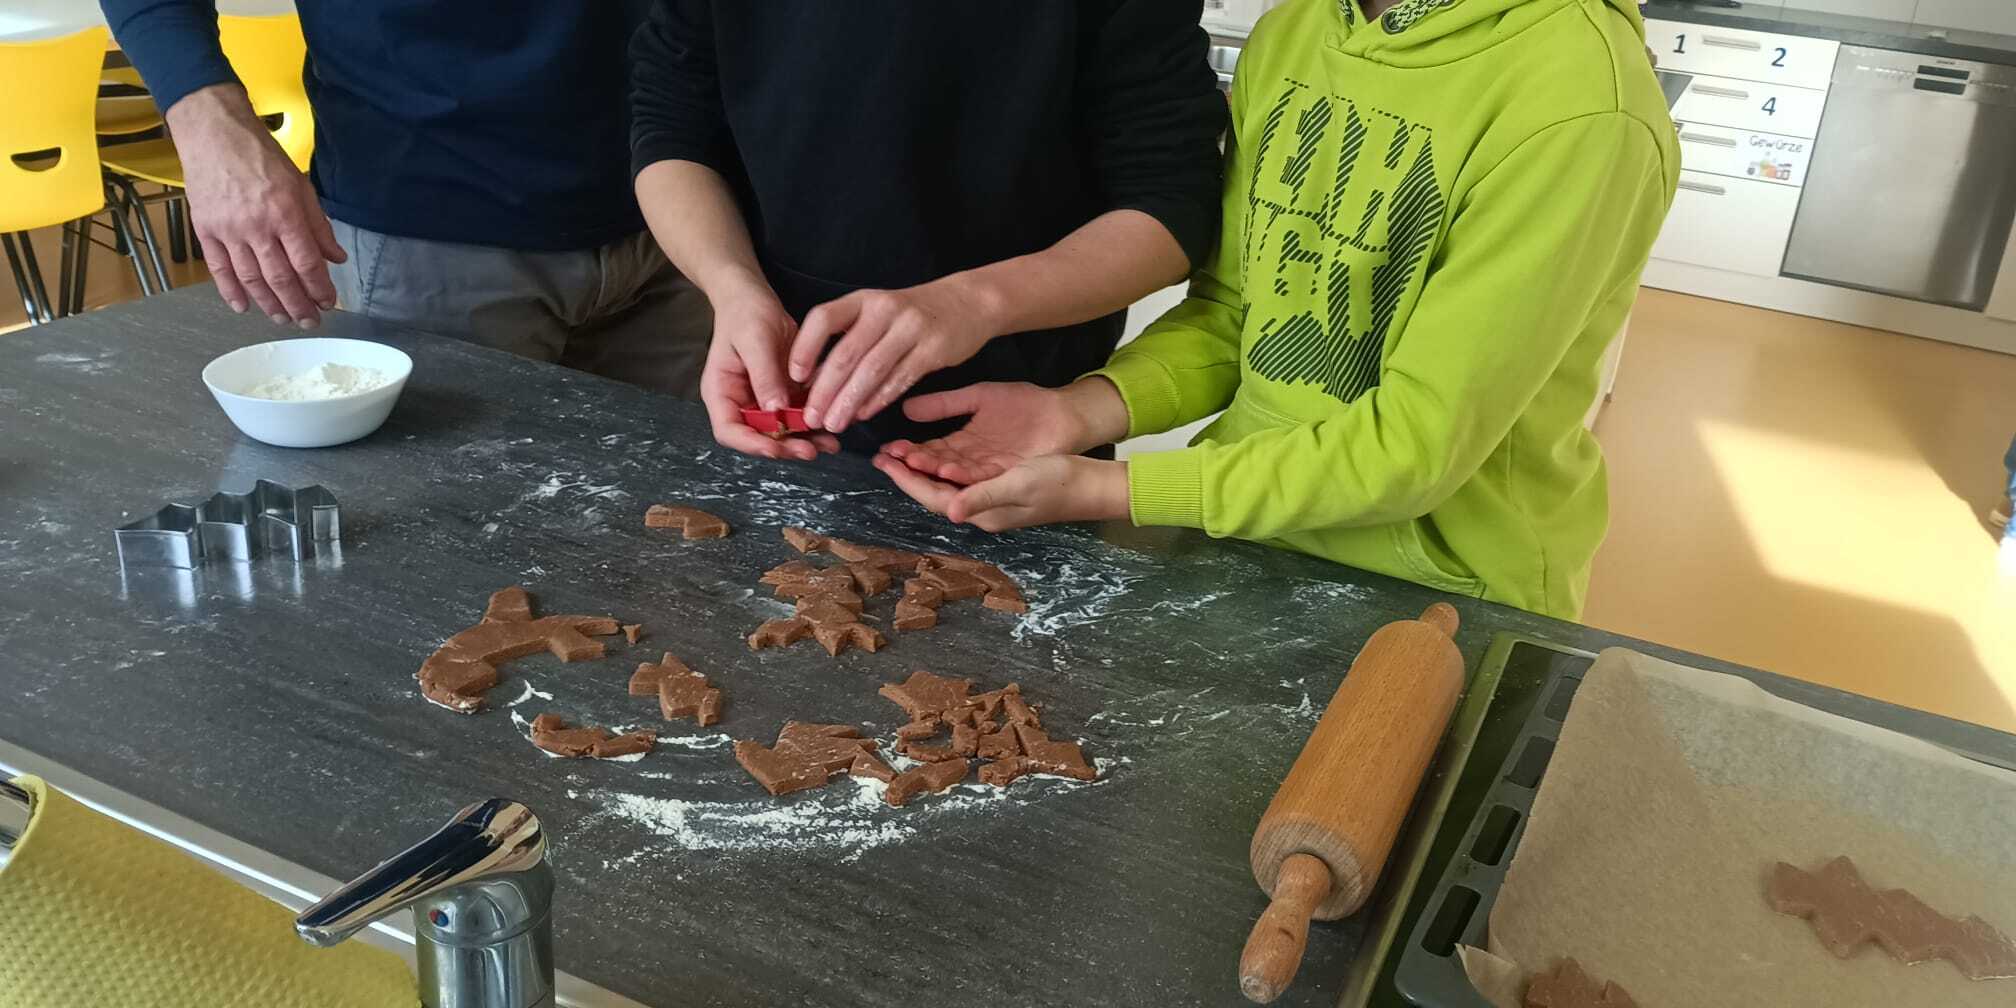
(1113, 261)
(694, 216)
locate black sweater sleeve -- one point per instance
(676, 108)
(1155, 116)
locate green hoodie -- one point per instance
(1434, 226)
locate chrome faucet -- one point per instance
(17, 807)
(482, 899)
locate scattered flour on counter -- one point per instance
(325, 381)
(77, 362)
(848, 815)
(530, 692)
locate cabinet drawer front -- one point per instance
(1729, 224)
(1767, 57)
(1749, 105)
(1744, 154)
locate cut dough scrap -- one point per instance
(1567, 986)
(911, 617)
(927, 753)
(790, 570)
(922, 728)
(805, 756)
(550, 732)
(689, 695)
(824, 609)
(464, 667)
(999, 745)
(1059, 759)
(631, 630)
(872, 767)
(931, 778)
(838, 637)
(692, 523)
(869, 579)
(1004, 771)
(920, 592)
(805, 540)
(955, 584)
(821, 581)
(780, 633)
(924, 696)
(644, 682)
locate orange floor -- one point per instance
(1809, 498)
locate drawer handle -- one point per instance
(1732, 43)
(1704, 138)
(1721, 92)
(1703, 187)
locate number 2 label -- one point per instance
(1780, 61)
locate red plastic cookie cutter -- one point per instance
(776, 423)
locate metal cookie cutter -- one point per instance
(288, 522)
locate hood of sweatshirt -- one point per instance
(1429, 32)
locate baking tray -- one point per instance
(1486, 817)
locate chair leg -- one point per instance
(28, 305)
(36, 287)
(130, 196)
(126, 246)
(82, 268)
(178, 230)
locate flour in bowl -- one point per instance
(326, 381)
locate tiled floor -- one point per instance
(1787, 493)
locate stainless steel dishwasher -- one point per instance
(1912, 185)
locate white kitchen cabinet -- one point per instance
(1752, 105)
(1729, 223)
(1766, 157)
(1739, 54)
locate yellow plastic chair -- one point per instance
(49, 171)
(268, 54)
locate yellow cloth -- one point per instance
(93, 912)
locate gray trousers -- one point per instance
(621, 311)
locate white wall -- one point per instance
(1976, 15)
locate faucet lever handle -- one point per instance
(486, 840)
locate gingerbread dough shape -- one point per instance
(681, 692)
(550, 732)
(692, 523)
(805, 756)
(1567, 986)
(1847, 913)
(463, 668)
(931, 778)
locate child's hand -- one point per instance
(1010, 422)
(1039, 491)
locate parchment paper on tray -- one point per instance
(1671, 794)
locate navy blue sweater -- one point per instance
(505, 124)
(886, 143)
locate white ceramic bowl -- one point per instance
(316, 423)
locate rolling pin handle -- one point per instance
(1274, 951)
(1442, 616)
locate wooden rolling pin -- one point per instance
(1323, 841)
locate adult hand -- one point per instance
(1040, 491)
(1011, 422)
(745, 370)
(264, 235)
(893, 339)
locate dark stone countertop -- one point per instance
(276, 704)
(1901, 36)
